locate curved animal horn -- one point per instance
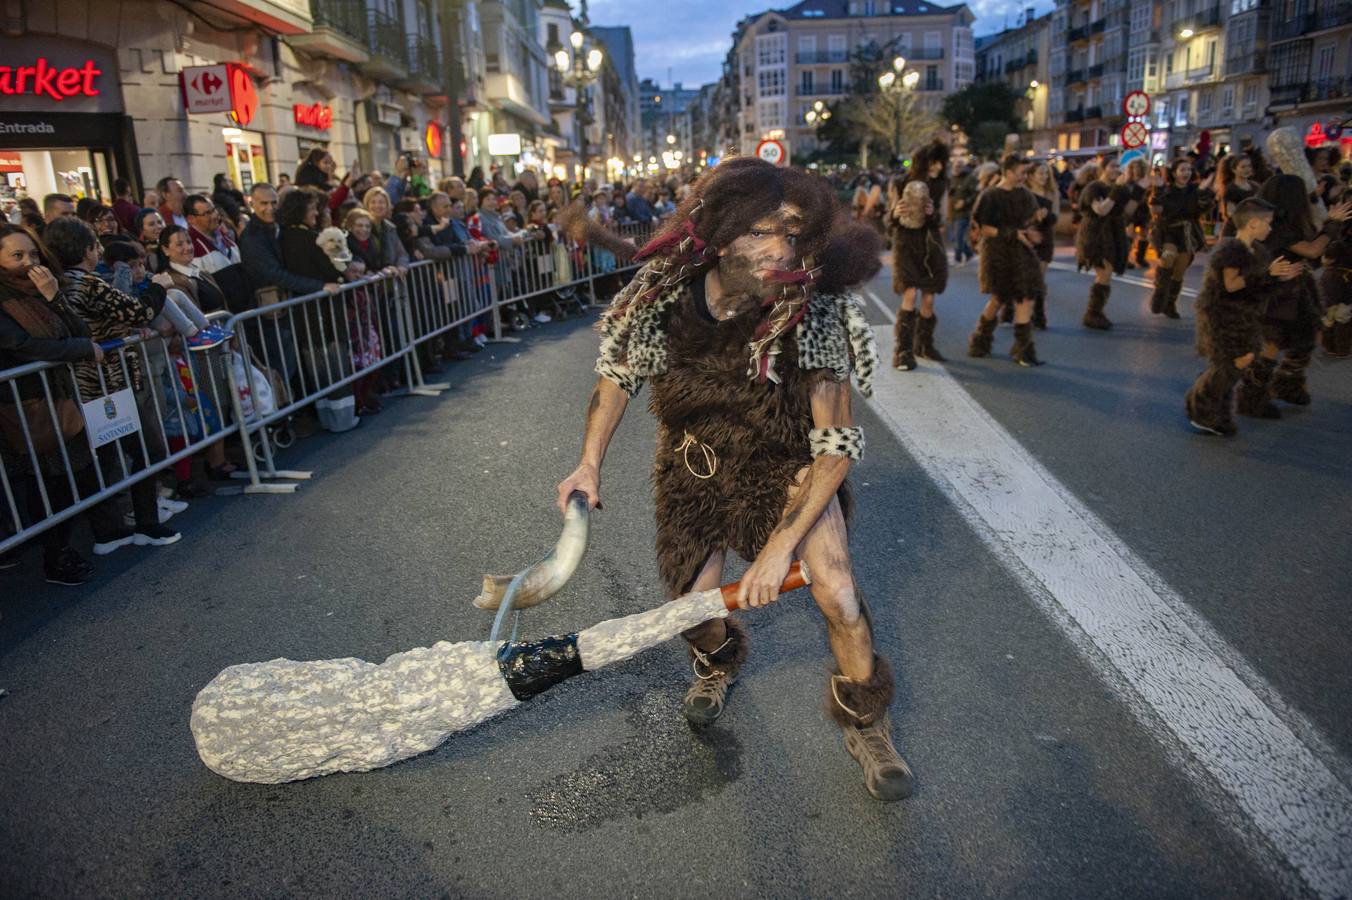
(548, 576)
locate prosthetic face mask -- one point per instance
(750, 263)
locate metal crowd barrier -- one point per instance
(44, 485)
(286, 356)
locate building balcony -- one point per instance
(1098, 26)
(1075, 115)
(1078, 34)
(389, 52)
(1327, 15)
(424, 66)
(1207, 18)
(1096, 71)
(935, 85)
(818, 57)
(339, 31)
(1245, 61)
(1075, 76)
(1332, 15)
(1175, 80)
(924, 53)
(1335, 90)
(285, 17)
(1200, 73)
(1093, 112)
(818, 90)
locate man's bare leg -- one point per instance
(710, 634)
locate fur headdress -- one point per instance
(1288, 151)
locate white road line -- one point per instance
(1129, 279)
(1186, 686)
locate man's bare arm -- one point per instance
(605, 409)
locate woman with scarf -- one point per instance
(37, 325)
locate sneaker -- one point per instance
(203, 340)
(217, 331)
(172, 506)
(155, 536)
(107, 544)
(542, 317)
(68, 569)
(166, 512)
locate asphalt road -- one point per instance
(1035, 779)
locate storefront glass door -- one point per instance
(36, 173)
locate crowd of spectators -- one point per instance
(76, 274)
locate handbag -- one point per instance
(42, 431)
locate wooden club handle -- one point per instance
(797, 577)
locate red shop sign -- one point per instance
(316, 116)
(44, 79)
(243, 95)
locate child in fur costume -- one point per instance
(1178, 205)
(1006, 213)
(1229, 315)
(1101, 241)
(919, 260)
(1291, 321)
(748, 348)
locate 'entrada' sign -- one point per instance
(46, 80)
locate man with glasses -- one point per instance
(215, 251)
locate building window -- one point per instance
(904, 43)
(1162, 113)
(1323, 62)
(934, 40)
(1290, 64)
(962, 43)
(837, 81)
(807, 45)
(1203, 105)
(1181, 112)
(1140, 17)
(1136, 66)
(770, 82)
(771, 114)
(963, 72)
(1250, 96)
(771, 49)
(835, 46)
(806, 86)
(932, 78)
(1227, 101)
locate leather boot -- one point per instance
(1253, 392)
(1040, 311)
(982, 338)
(924, 340)
(715, 673)
(1337, 340)
(860, 709)
(1171, 301)
(1098, 301)
(1289, 382)
(1160, 295)
(1023, 351)
(903, 354)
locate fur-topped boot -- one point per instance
(1023, 351)
(860, 709)
(1159, 297)
(1289, 382)
(982, 339)
(924, 340)
(1254, 399)
(1171, 300)
(715, 673)
(903, 354)
(1098, 301)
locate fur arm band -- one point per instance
(837, 442)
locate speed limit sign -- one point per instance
(1136, 104)
(772, 152)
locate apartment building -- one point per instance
(1309, 64)
(1020, 57)
(782, 61)
(1090, 48)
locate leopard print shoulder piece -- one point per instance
(835, 335)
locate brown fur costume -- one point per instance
(1229, 325)
(755, 429)
(1102, 240)
(918, 257)
(1008, 269)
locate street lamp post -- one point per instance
(898, 83)
(579, 70)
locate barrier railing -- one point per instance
(304, 351)
(65, 451)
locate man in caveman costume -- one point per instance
(740, 323)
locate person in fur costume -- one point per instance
(1230, 313)
(1335, 289)
(1293, 314)
(1177, 236)
(1101, 240)
(1006, 213)
(740, 321)
(1043, 185)
(919, 260)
